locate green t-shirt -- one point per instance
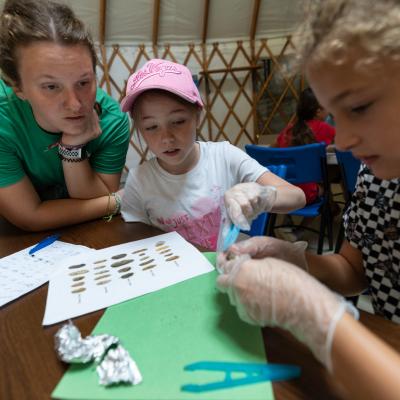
(24, 145)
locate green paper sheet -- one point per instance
(166, 330)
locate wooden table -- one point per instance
(30, 370)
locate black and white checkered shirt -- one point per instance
(372, 224)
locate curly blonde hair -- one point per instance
(333, 27)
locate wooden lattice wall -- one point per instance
(245, 90)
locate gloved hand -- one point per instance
(272, 292)
(245, 201)
(262, 246)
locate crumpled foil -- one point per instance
(71, 348)
(116, 364)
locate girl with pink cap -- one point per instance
(182, 187)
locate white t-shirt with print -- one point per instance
(189, 204)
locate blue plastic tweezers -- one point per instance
(254, 373)
(231, 237)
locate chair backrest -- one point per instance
(279, 170)
(304, 163)
(349, 167)
(259, 224)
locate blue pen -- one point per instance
(43, 243)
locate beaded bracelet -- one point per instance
(117, 207)
(118, 202)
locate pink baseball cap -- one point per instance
(161, 74)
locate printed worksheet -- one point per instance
(20, 272)
(91, 282)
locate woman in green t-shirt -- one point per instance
(63, 142)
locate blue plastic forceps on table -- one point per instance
(44, 243)
(254, 373)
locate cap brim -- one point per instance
(127, 101)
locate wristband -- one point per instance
(72, 153)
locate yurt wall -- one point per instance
(236, 50)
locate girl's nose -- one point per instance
(346, 137)
(167, 135)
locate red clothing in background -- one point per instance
(322, 132)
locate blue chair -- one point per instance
(259, 225)
(349, 167)
(304, 164)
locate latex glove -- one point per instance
(272, 292)
(262, 246)
(245, 201)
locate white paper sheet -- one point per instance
(20, 272)
(118, 273)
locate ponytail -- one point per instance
(307, 109)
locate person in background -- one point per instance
(63, 143)
(183, 186)
(350, 54)
(309, 127)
